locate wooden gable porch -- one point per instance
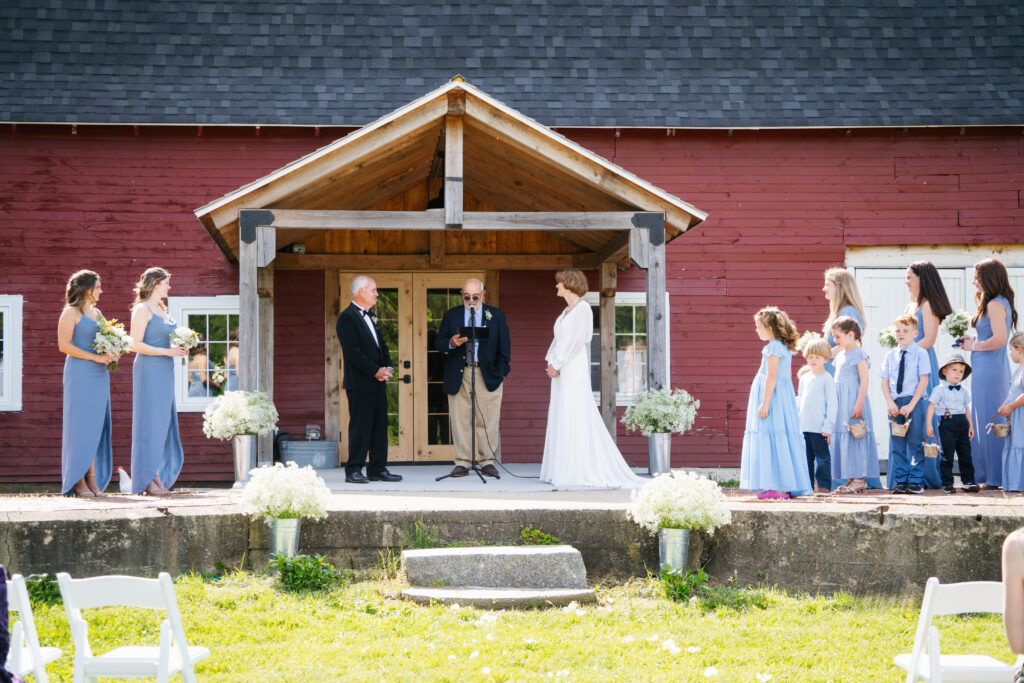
(454, 181)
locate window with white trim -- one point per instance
(212, 367)
(630, 345)
(10, 352)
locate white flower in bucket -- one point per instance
(661, 411)
(674, 504)
(282, 496)
(239, 412)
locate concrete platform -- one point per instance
(871, 543)
(505, 598)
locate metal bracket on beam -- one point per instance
(249, 219)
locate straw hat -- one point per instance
(955, 357)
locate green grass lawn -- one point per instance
(258, 632)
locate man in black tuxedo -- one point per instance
(489, 362)
(367, 370)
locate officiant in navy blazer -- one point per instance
(368, 368)
(489, 362)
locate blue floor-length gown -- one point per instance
(156, 444)
(1013, 445)
(932, 478)
(852, 458)
(86, 431)
(830, 366)
(774, 454)
(990, 376)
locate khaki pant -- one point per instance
(488, 421)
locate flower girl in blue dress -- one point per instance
(854, 459)
(774, 460)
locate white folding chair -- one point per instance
(926, 662)
(26, 656)
(172, 656)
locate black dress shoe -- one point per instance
(385, 476)
(490, 471)
(356, 478)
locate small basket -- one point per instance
(1002, 429)
(897, 429)
(858, 430)
(931, 450)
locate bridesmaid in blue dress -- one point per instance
(844, 300)
(1013, 410)
(930, 305)
(774, 459)
(996, 316)
(157, 455)
(86, 451)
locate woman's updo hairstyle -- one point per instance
(779, 324)
(79, 286)
(150, 279)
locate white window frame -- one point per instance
(11, 305)
(633, 299)
(180, 307)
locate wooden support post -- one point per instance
(265, 349)
(657, 335)
(248, 303)
(453, 172)
(607, 283)
(332, 359)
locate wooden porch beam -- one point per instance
(608, 280)
(361, 262)
(614, 251)
(554, 221)
(265, 341)
(453, 160)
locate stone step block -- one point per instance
(500, 598)
(534, 566)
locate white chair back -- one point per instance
(26, 656)
(128, 591)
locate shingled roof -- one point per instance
(661, 63)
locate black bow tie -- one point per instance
(954, 387)
(365, 313)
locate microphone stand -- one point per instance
(473, 467)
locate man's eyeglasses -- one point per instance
(471, 297)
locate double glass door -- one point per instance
(409, 309)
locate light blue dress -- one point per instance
(830, 366)
(156, 445)
(774, 454)
(86, 431)
(852, 458)
(932, 478)
(1013, 446)
(990, 374)
(196, 386)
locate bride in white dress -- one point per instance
(578, 451)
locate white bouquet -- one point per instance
(956, 324)
(239, 412)
(680, 500)
(281, 492)
(887, 338)
(111, 338)
(808, 337)
(661, 411)
(185, 338)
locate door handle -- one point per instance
(406, 364)
(407, 379)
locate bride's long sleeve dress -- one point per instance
(578, 451)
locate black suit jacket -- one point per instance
(362, 357)
(494, 352)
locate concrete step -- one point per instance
(500, 598)
(532, 566)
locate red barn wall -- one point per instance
(783, 206)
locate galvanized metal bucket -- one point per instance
(243, 448)
(284, 536)
(659, 453)
(673, 547)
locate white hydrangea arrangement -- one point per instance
(806, 339)
(285, 492)
(239, 412)
(680, 500)
(887, 338)
(661, 411)
(185, 338)
(111, 338)
(956, 324)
